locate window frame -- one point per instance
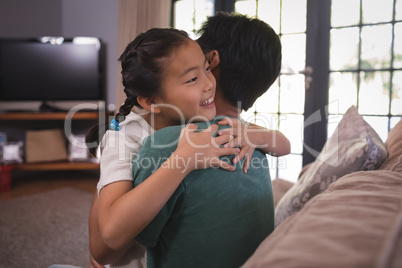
(318, 34)
(317, 57)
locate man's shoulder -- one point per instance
(165, 136)
(170, 135)
(178, 128)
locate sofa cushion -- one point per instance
(279, 188)
(356, 222)
(354, 146)
(394, 146)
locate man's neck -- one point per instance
(226, 109)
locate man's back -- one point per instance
(215, 218)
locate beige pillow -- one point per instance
(354, 146)
(357, 222)
(394, 146)
(279, 188)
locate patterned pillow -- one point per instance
(354, 146)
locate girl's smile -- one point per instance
(209, 103)
(188, 89)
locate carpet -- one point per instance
(44, 229)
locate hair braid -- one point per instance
(126, 107)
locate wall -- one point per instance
(95, 18)
(21, 18)
(99, 18)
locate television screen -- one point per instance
(51, 68)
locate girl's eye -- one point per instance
(192, 80)
(208, 68)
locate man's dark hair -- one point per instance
(250, 55)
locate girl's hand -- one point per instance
(200, 150)
(250, 137)
(241, 138)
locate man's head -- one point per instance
(249, 53)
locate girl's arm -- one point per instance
(124, 214)
(99, 251)
(249, 137)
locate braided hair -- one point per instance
(142, 67)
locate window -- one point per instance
(355, 55)
(282, 106)
(189, 15)
(366, 61)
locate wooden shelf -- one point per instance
(48, 116)
(20, 118)
(57, 166)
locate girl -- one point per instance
(180, 71)
(166, 74)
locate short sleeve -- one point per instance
(119, 148)
(116, 159)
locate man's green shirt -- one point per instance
(215, 218)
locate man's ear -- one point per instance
(213, 58)
(148, 104)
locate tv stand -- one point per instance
(20, 122)
(46, 108)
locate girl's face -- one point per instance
(188, 89)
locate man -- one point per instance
(216, 219)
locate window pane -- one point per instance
(374, 93)
(377, 11)
(269, 11)
(183, 11)
(394, 120)
(292, 127)
(293, 52)
(249, 115)
(379, 124)
(246, 7)
(344, 48)
(294, 16)
(342, 92)
(189, 14)
(268, 102)
(269, 121)
(376, 47)
(292, 94)
(398, 45)
(266, 120)
(341, 16)
(273, 164)
(398, 10)
(396, 100)
(333, 122)
(289, 167)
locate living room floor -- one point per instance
(24, 183)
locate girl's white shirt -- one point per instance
(119, 148)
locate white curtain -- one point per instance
(136, 16)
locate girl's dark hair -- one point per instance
(142, 67)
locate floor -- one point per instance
(25, 183)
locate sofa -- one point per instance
(347, 214)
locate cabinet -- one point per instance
(15, 125)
